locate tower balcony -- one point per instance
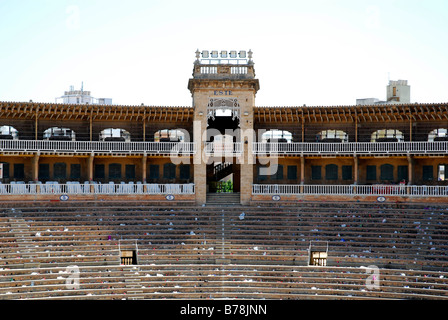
(223, 65)
(223, 72)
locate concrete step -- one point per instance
(223, 198)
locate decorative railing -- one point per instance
(374, 190)
(71, 188)
(98, 146)
(406, 147)
(223, 148)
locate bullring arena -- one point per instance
(223, 199)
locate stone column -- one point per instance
(246, 101)
(246, 171)
(302, 173)
(199, 161)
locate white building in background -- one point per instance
(81, 97)
(398, 91)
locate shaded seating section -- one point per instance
(193, 252)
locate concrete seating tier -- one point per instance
(220, 281)
(222, 252)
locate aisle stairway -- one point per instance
(230, 198)
(24, 239)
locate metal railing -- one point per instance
(405, 147)
(374, 190)
(73, 188)
(98, 146)
(224, 148)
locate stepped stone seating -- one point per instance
(215, 252)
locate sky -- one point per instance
(318, 53)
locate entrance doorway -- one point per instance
(128, 257)
(223, 177)
(318, 258)
(318, 253)
(223, 122)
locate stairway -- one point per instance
(133, 282)
(222, 229)
(222, 170)
(24, 239)
(220, 199)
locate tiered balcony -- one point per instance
(222, 149)
(167, 148)
(361, 190)
(350, 148)
(76, 188)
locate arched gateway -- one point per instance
(223, 91)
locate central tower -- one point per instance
(223, 89)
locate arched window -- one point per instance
(169, 135)
(115, 134)
(439, 134)
(387, 135)
(56, 133)
(332, 136)
(276, 135)
(8, 132)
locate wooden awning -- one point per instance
(371, 113)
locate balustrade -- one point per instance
(222, 148)
(70, 188)
(417, 147)
(375, 190)
(98, 146)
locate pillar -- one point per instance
(356, 170)
(36, 125)
(90, 171)
(199, 161)
(246, 168)
(302, 172)
(35, 168)
(90, 128)
(144, 162)
(410, 170)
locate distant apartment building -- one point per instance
(81, 97)
(398, 91)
